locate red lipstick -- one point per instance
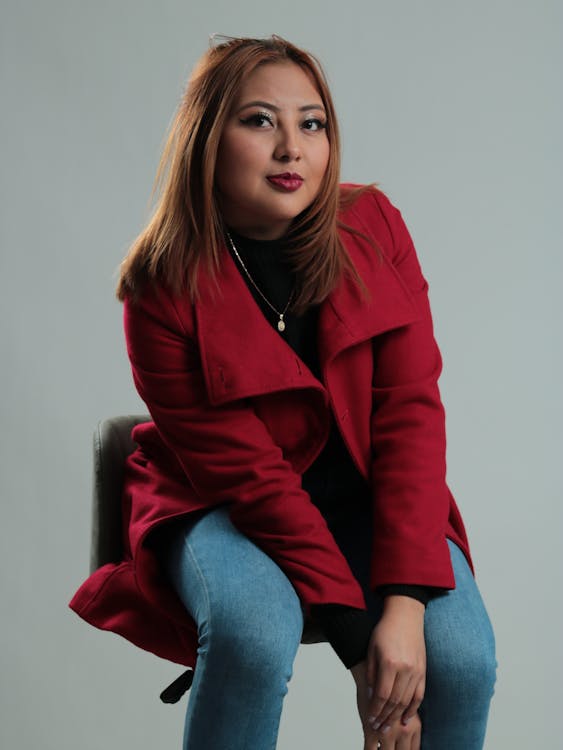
(289, 182)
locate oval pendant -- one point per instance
(281, 325)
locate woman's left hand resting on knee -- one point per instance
(390, 682)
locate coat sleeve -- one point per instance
(229, 456)
(411, 498)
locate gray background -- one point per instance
(455, 108)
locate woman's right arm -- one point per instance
(229, 456)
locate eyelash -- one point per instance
(258, 119)
(321, 124)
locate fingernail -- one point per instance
(374, 723)
(385, 728)
(406, 721)
(370, 692)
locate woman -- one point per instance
(293, 479)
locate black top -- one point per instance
(333, 474)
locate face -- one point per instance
(273, 151)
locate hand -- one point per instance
(399, 736)
(396, 663)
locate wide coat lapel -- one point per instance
(242, 354)
(348, 323)
(348, 317)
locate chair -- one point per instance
(112, 445)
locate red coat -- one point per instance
(238, 417)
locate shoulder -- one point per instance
(157, 306)
(367, 210)
(362, 197)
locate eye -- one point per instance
(258, 120)
(313, 124)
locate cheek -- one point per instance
(232, 170)
(238, 154)
(322, 160)
(248, 157)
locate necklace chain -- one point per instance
(281, 321)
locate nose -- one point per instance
(287, 147)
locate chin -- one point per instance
(289, 213)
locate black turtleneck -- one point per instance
(333, 474)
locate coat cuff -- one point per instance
(347, 629)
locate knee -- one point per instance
(460, 640)
(258, 640)
(466, 669)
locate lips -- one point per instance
(288, 181)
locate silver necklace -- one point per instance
(281, 321)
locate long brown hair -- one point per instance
(186, 226)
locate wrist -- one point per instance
(403, 605)
(359, 671)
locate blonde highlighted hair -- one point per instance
(186, 228)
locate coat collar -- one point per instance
(243, 356)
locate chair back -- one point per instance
(112, 445)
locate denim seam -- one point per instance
(203, 583)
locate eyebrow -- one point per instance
(269, 105)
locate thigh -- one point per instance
(249, 620)
(221, 575)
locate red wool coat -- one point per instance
(238, 417)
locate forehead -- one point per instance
(283, 84)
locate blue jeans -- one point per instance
(250, 624)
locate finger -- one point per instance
(372, 743)
(392, 742)
(398, 705)
(394, 706)
(416, 740)
(404, 740)
(412, 709)
(382, 690)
